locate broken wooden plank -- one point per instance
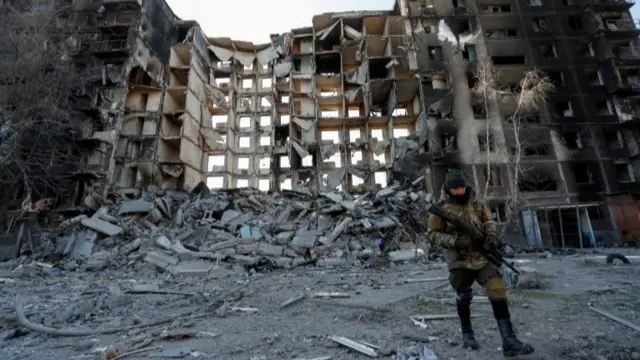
(244, 309)
(438, 317)
(351, 305)
(419, 320)
(151, 290)
(332, 295)
(615, 318)
(354, 345)
(420, 280)
(291, 301)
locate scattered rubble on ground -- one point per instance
(189, 233)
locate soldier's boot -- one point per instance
(469, 337)
(463, 304)
(511, 346)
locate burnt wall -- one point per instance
(158, 28)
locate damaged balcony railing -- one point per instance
(613, 2)
(107, 46)
(633, 82)
(627, 53)
(119, 19)
(620, 25)
(106, 3)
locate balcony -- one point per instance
(107, 75)
(118, 19)
(122, 4)
(102, 48)
(628, 110)
(615, 153)
(610, 5)
(630, 84)
(626, 56)
(619, 29)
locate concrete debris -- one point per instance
(333, 295)
(615, 318)
(188, 234)
(528, 278)
(355, 345)
(416, 352)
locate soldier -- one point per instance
(466, 264)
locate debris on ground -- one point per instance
(189, 233)
(365, 349)
(615, 318)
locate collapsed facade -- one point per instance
(361, 99)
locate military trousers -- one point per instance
(488, 277)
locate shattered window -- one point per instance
(470, 53)
(486, 142)
(449, 143)
(624, 173)
(501, 33)
(265, 121)
(493, 176)
(496, 8)
(575, 23)
(572, 140)
(354, 135)
(540, 25)
(264, 185)
(499, 213)
(380, 178)
(215, 182)
(547, 50)
(583, 174)
(585, 49)
(613, 139)
(435, 53)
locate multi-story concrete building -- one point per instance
(363, 98)
(577, 159)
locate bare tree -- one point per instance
(529, 98)
(38, 126)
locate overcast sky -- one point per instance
(254, 20)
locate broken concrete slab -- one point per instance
(195, 268)
(160, 260)
(138, 206)
(405, 255)
(101, 226)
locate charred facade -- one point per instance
(577, 156)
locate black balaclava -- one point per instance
(455, 178)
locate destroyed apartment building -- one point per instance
(361, 99)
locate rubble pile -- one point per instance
(187, 233)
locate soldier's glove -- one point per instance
(463, 242)
(492, 242)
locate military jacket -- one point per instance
(444, 235)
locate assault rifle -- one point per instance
(494, 256)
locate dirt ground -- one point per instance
(555, 319)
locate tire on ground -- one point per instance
(612, 257)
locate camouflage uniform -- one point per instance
(467, 265)
(444, 235)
